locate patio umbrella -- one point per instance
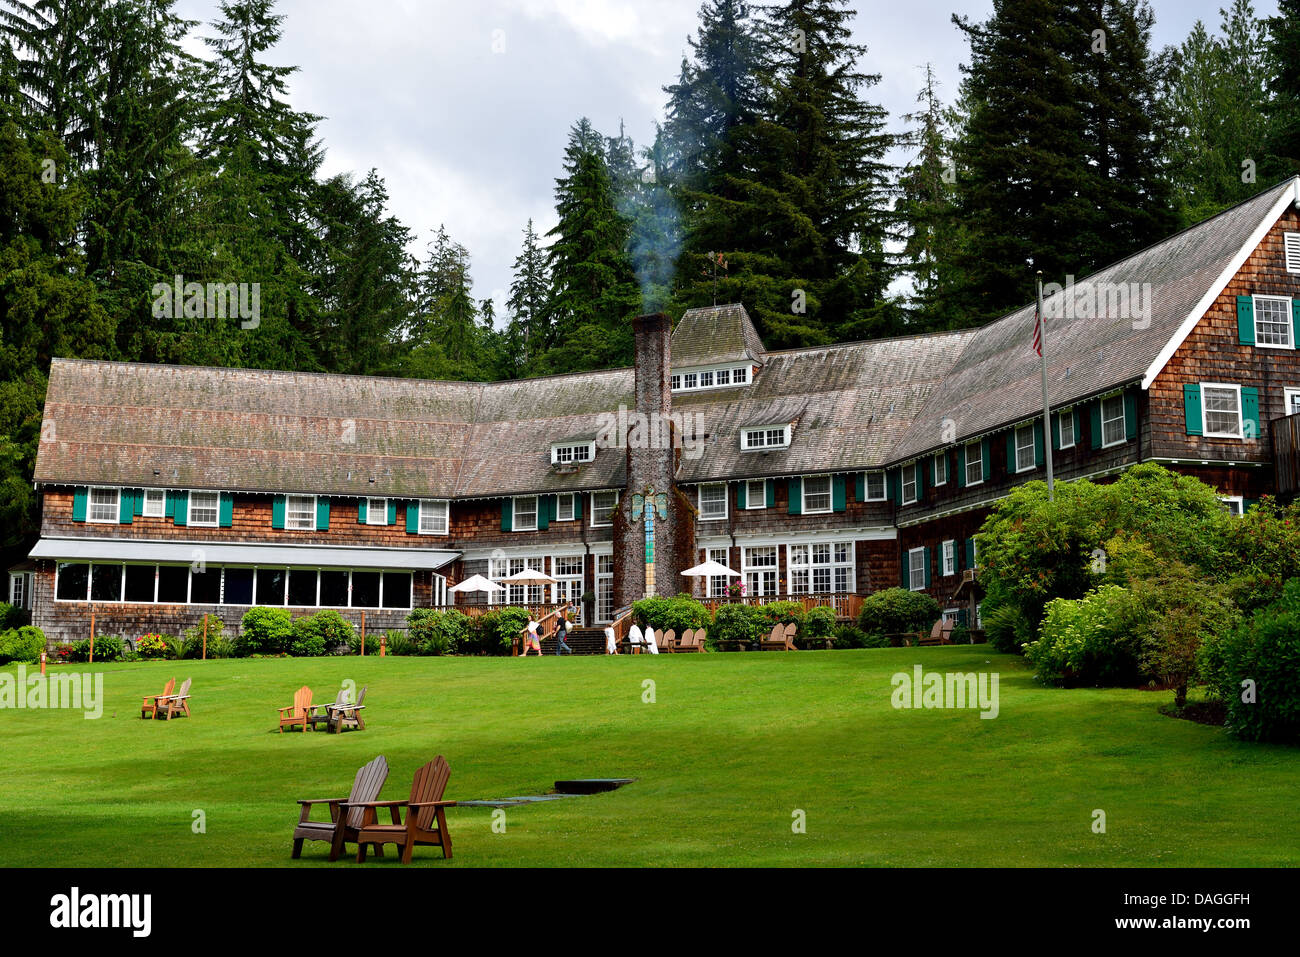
(710, 569)
(476, 583)
(528, 576)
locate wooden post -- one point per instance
(383, 645)
(42, 662)
(205, 637)
(92, 635)
(363, 634)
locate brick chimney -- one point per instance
(652, 458)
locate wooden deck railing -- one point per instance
(538, 611)
(1286, 453)
(847, 605)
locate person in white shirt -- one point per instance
(611, 646)
(651, 644)
(634, 635)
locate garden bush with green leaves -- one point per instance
(1088, 640)
(893, 611)
(22, 645)
(436, 632)
(681, 613)
(266, 631)
(495, 632)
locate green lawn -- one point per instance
(732, 746)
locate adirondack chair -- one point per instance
(790, 630)
(423, 811)
(685, 642)
(320, 713)
(695, 642)
(667, 640)
(348, 715)
(341, 826)
(781, 639)
(178, 703)
(297, 713)
(149, 709)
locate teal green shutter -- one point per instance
(970, 552)
(577, 506)
(838, 494)
(986, 459)
(925, 557)
(771, 493)
(1250, 412)
(138, 498)
(1295, 323)
(545, 508)
(363, 511)
(1192, 408)
(933, 470)
(961, 466)
(125, 506)
(920, 481)
(1056, 432)
(1094, 417)
(322, 513)
(1078, 424)
(79, 496)
(1245, 320)
(277, 511)
(507, 514)
(226, 510)
(795, 488)
(1040, 454)
(169, 506)
(1011, 452)
(894, 485)
(392, 511)
(1130, 415)
(413, 517)
(860, 487)
(741, 495)
(907, 570)
(182, 508)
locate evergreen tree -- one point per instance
(527, 329)
(1282, 109)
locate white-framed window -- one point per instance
(18, 590)
(875, 487)
(690, 380)
(821, 568)
(1221, 410)
(718, 583)
(974, 462)
(103, 505)
(567, 571)
(564, 507)
(950, 557)
(602, 507)
(1273, 322)
(206, 506)
(1065, 427)
(499, 568)
(573, 454)
(816, 494)
(940, 468)
(908, 476)
(525, 514)
(155, 503)
(1235, 504)
(435, 514)
(722, 377)
(765, 437)
(713, 502)
(740, 375)
(1025, 459)
(299, 511)
(676, 383)
(706, 380)
(1291, 247)
(1113, 430)
(1291, 400)
(756, 493)
(604, 588)
(916, 569)
(377, 511)
(758, 565)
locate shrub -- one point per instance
(495, 631)
(820, 622)
(893, 611)
(220, 647)
(307, 641)
(960, 635)
(22, 645)
(850, 636)
(153, 646)
(1090, 640)
(192, 638)
(1171, 617)
(737, 623)
(266, 631)
(396, 643)
(682, 613)
(12, 618)
(1006, 628)
(335, 630)
(781, 613)
(107, 648)
(1255, 670)
(435, 632)
(63, 652)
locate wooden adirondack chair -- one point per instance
(425, 823)
(790, 630)
(667, 640)
(341, 826)
(299, 712)
(697, 641)
(685, 642)
(348, 715)
(781, 639)
(149, 709)
(178, 703)
(320, 713)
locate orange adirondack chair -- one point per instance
(178, 703)
(425, 823)
(149, 709)
(298, 713)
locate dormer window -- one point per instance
(573, 454)
(765, 437)
(715, 378)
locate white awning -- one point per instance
(310, 556)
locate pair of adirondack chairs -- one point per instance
(781, 638)
(336, 716)
(355, 820)
(692, 640)
(167, 705)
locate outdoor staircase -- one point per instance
(583, 641)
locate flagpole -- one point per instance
(1047, 409)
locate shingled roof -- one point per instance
(715, 335)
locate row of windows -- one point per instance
(709, 379)
(524, 510)
(815, 495)
(232, 585)
(819, 568)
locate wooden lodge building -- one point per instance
(830, 471)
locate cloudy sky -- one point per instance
(464, 106)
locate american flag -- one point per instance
(1038, 332)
